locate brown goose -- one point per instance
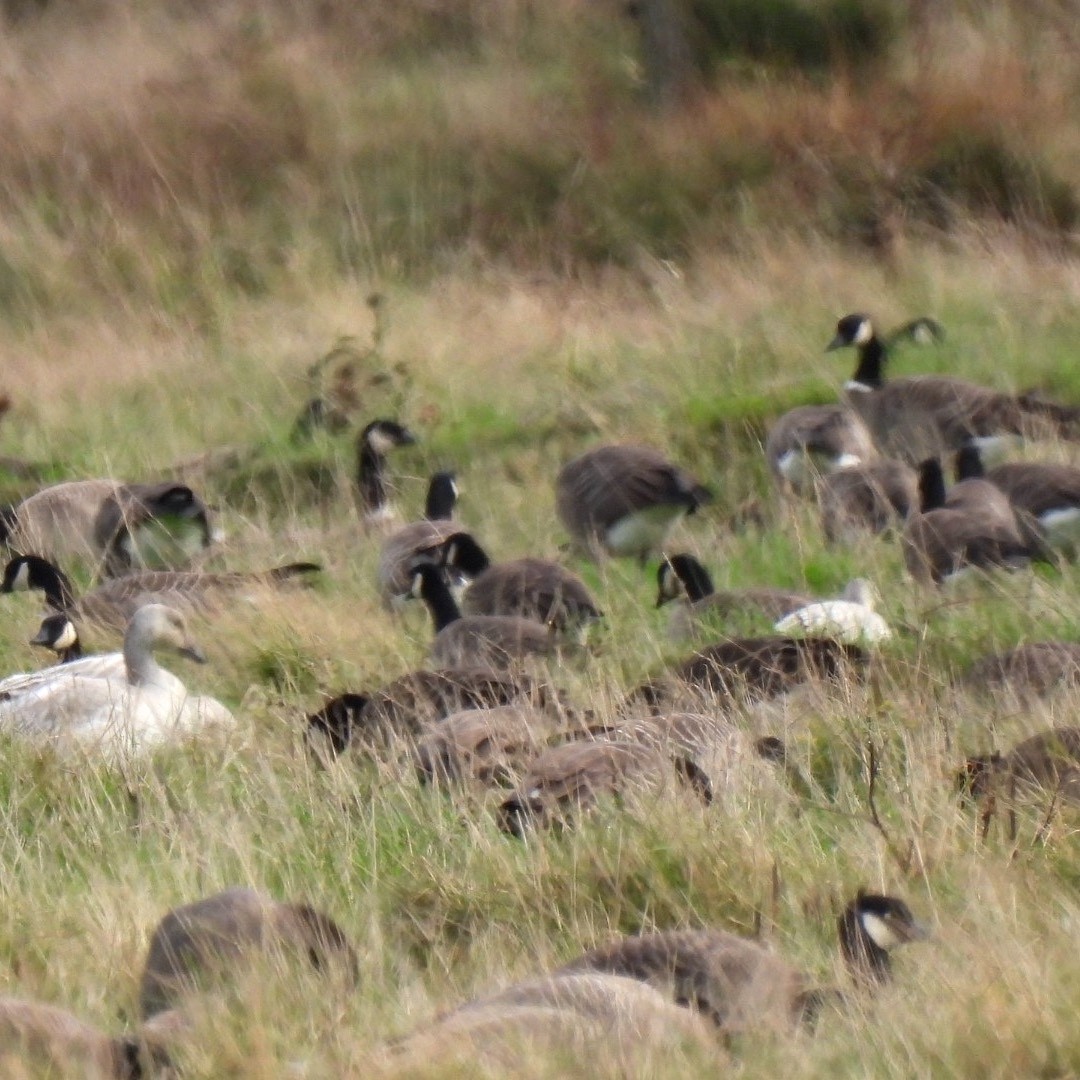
(739, 984)
(572, 777)
(1049, 760)
(624, 500)
(210, 937)
(111, 605)
(931, 415)
(977, 528)
(406, 707)
(812, 440)
(373, 445)
(681, 578)
(482, 640)
(871, 497)
(1036, 668)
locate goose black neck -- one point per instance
(866, 960)
(41, 574)
(370, 480)
(870, 369)
(72, 652)
(437, 595)
(441, 498)
(464, 555)
(695, 577)
(969, 463)
(931, 485)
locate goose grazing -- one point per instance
(624, 500)
(418, 540)
(740, 984)
(210, 938)
(1035, 669)
(927, 415)
(1048, 494)
(373, 445)
(118, 525)
(850, 618)
(683, 580)
(812, 440)
(872, 497)
(574, 776)
(480, 640)
(1049, 760)
(114, 713)
(972, 526)
(111, 605)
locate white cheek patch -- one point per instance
(847, 461)
(881, 934)
(21, 581)
(380, 442)
(864, 333)
(859, 387)
(66, 638)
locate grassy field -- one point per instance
(197, 206)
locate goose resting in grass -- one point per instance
(1034, 669)
(813, 440)
(850, 618)
(867, 498)
(112, 604)
(112, 713)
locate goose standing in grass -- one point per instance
(624, 500)
(849, 618)
(872, 497)
(740, 984)
(104, 521)
(114, 715)
(373, 445)
(927, 415)
(813, 440)
(977, 528)
(419, 540)
(684, 582)
(111, 605)
(463, 640)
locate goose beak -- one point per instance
(41, 638)
(837, 343)
(193, 652)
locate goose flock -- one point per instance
(488, 712)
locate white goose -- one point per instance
(851, 618)
(100, 705)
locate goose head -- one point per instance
(871, 926)
(154, 625)
(382, 436)
(681, 576)
(442, 496)
(852, 330)
(463, 557)
(335, 721)
(57, 632)
(26, 572)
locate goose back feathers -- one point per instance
(812, 440)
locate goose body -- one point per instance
(1036, 668)
(110, 714)
(871, 497)
(1049, 760)
(812, 440)
(851, 618)
(740, 984)
(624, 500)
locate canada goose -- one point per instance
(490, 745)
(405, 707)
(372, 447)
(58, 633)
(1048, 494)
(682, 578)
(418, 539)
(624, 500)
(743, 669)
(497, 640)
(209, 937)
(812, 440)
(1048, 760)
(112, 711)
(973, 526)
(111, 605)
(120, 525)
(573, 776)
(870, 497)
(740, 984)
(1035, 668)
(851, 618)
(915, 417)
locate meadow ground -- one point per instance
(130, 349)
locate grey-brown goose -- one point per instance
(976, 529)
(374, 443)
(740, 984)
(111, 605)
(117, 525)
(406, 707)
(624, 500)
(1036, 668)
(482, 640)
(572, 777)
(419, 539)
(812, 440)
(871, 497)
(927, 415)
(1049, 760)
(212, 936)
(683, 581)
